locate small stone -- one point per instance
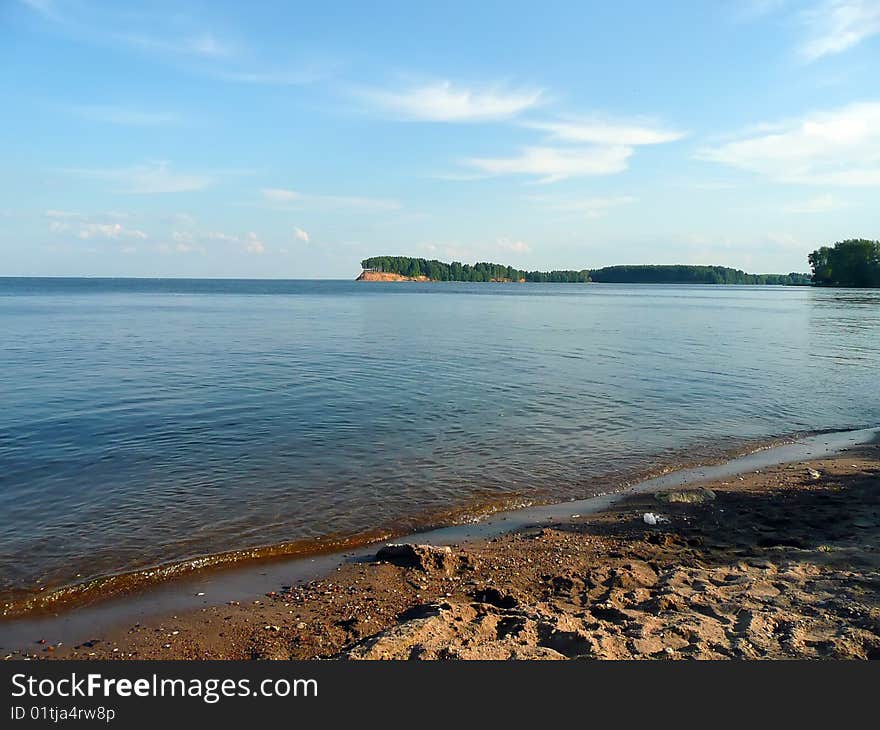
(686, 496)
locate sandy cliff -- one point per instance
(387, 276)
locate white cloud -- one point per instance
(109, 230)
(220, 236)
(147, 179)
(296, 200)
(253, 244)
(819, 204)
(551, 164)
(83, 228)
(183, 236)
(271, 77)
(839, 147)
(834, 26)
(186, 220)
(63, 214)
(444, 102)
(280, 195)
(301, 235)
(599, 131)
(112, 114)
(593, 207)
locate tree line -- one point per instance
(853, 263)
(456, 271)
(683, 274)
(678, 274)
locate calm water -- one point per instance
(146, 421)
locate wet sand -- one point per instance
(782, 562)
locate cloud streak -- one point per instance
(147, 179)
(294, 200)
(443, 101)
(605, 132)
(169, 38)
(835, 26)
(551, 164)
(76, 224)
(837, 147)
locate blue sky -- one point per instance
(292, 139)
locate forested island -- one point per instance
(391, 268)
(851, 263)
(432, 270)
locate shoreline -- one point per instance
(780, 562)
(210, 588)
(30, 604)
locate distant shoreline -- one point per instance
(407, 268)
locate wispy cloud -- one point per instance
(85, 228)
(838, 147)
(155, 33)
(200, 44)
(295, 200)
(109, 230)
(253, 244)
(272, 77)
(590, 207)
(189, 241)
(147, 179)
(220, 236)
(606, 132)
(126, 116)
(551, 164)
(500, 247)
(170, 38)
(443, 101)
(834, 26)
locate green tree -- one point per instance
(854, 262)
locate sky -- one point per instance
(293, 139)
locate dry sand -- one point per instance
(784, 563)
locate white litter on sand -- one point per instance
(651, 519)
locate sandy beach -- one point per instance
(779, 563)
